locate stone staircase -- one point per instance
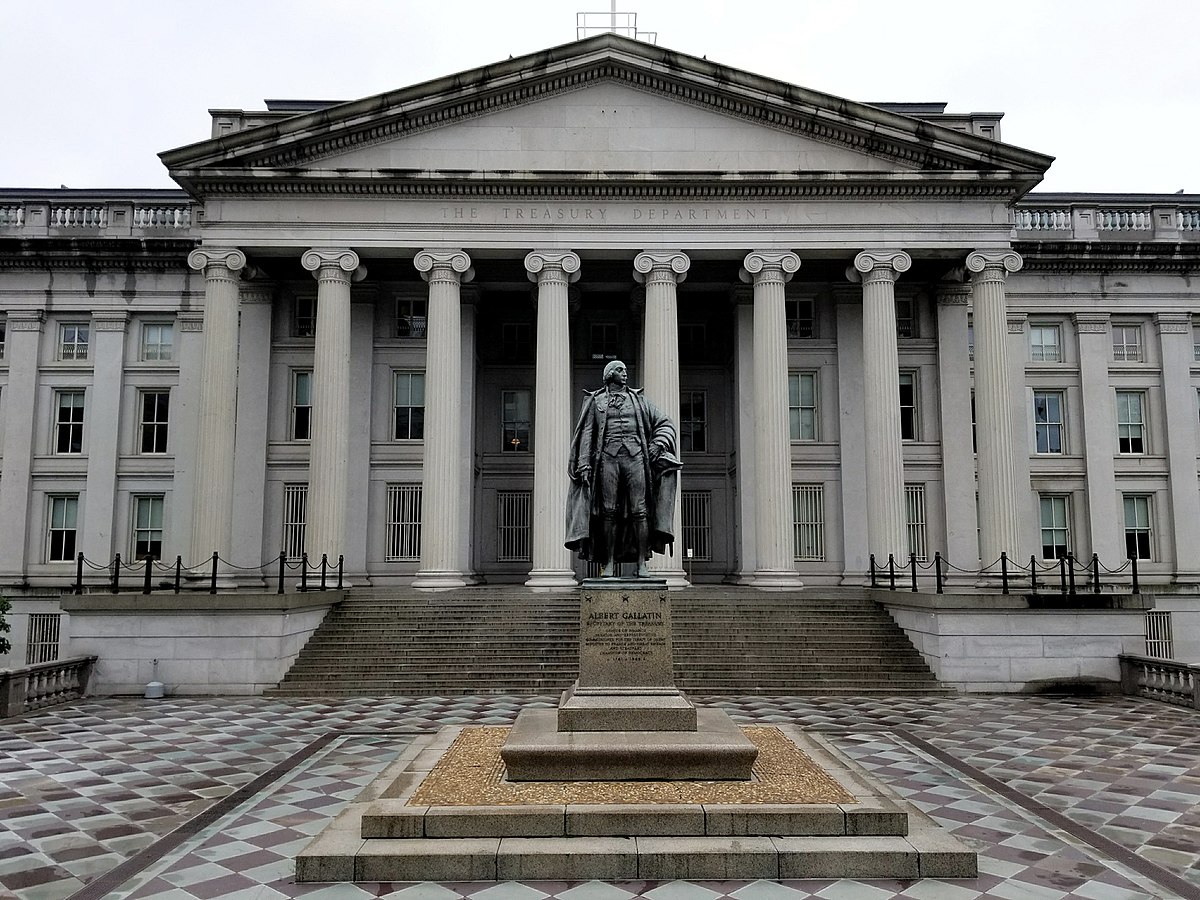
(507, 640)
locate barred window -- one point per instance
(304, 316)
(604, 340)
(800, 318)
(295, 518)
(513, 526)
(914, 519)
(403, 522)
(697, 525)
(411, 318)
(808, 521)
(44, 635)
(906, 318)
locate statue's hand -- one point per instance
(581, 476)
(656, 451)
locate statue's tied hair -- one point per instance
(610, 368)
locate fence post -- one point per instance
(303, 572)
(912, 561)
(1033, 573)
(1004, 571)
(282, 563)
(149, 567)
(1133, 568)
(1071, 570)
(891, 571)
(937, 569)
(324, 568)
(212, 584)
(873, 570)
(116, 573)
(178, 571)
(1062, 575)
(1095, 574)
(78, 573)
(341, 561)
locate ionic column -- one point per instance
(212, 503)
(999, 506)
(886, 521)
(958, 458)
(325, 530)
(775, 567)
(250, 444)
(553, 271)
(442, 485)
(1179, 396)
(661, 272)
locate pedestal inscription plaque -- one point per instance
(625, 639)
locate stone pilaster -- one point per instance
(661, 272)
(250, 444)
(1179, 401)
(769, 271)
(21, 353)
(999, 505)
(553, 271)
(954, 409)
(1099, 437)
(442, 491)
(212, 503)
(886, 522)
(743, 365)
(97, 538)
(325, 531)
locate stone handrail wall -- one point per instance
(162, 217)
(78, 217)
(32, 217)
(12, 216)
(1109, 220)
(1160, 679)
(45, 684)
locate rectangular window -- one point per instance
(1048, 421)
(158, 340)
(1138, 535)
(1131, 422)
(68, 422)
(1044, 344)
(60, 534)
(512, 526)
(403, 522)
(295, 517)
(304, 316)
(603, 340)
(411, 315)
(1195, 342)
(409, 406)
(808, 522)
(515, 420)
(906, 318)
(45, 630)
(3, 333)
(1056, 526)
(147, 527)
(801, 318)
(1127, 343)
(301, 405)
(970, 342)
(693, 422)
(73, 341)
(908, 406)
(697, 525)
(693, 341)
(516, 341)
(802, 406)
(914, 510)
(152, 429)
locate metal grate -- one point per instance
(512, 526)
(44, 631)
(697, 524)
(914, 508)
(808, 521)
(295, 516)
(404, 521)
(1159, 643)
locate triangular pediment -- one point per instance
(605, 107)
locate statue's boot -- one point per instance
(642, 531)
(610, 540)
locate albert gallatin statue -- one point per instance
(624, 469)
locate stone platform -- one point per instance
(445, 811)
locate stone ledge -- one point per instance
(197, 604)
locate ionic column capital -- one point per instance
(655, 267)
(334, 264)
(993, 265)
(552, 265)
(212, 260)
(444, 266)
(765, 266)
(879, 265)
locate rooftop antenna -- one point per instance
(623, 23)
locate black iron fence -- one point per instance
(156, 575)
(1064, 576)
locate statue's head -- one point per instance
(611, 368)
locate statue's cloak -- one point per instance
(585, 532)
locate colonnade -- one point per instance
(445, 531)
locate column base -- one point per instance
(777, 580)
(675, 577)
(552, 580)
(439, 580)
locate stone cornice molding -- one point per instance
(878, 265)
(1090, 323)
(1173, 322)
(339, 264)
(253, 293)
(765, 266)
(217, 262)
(191, 320)
(552, 265)
(110, 320)
(652, 266)
(993, 265)
(953, 293)
(444, 265)
(1071, 257)
(1016, 322)
(25, 319)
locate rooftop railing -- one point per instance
(1107, 218)
(53, 215)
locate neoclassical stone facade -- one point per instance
(362, 330)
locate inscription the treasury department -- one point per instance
(603, 215)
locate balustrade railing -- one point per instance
(44, 684)
(78, 217)
(12, 216)
(162, 217)
(1160, 679)
(53, 215)
(1124, 220)
(1107, 217)
(1042, 219)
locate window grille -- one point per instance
(304, 319)
(73, 341)
(906, 318)
(403, 521)
(697, 525)
(914, 508)
(808, 521)
(512, 526)
(411, 317)
(1044, 344)
(44, 635)
(295, 517)
(1127, 343)
(1159, 642)
(800, 318)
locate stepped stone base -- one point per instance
(614, 709)
(385, 836)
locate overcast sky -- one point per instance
(94, 89)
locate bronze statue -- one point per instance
(624, 474)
